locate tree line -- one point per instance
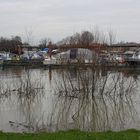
(10, 44)
(85, 38)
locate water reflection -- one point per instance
(90, 99)
(25, 94)
(95, 102)
(29, 97)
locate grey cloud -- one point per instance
(52, 17)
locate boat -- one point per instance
(50, 61)
(70, 57)
(1, 59)
(134, 60)
(1, 62)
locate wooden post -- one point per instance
(50, 49)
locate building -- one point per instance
(122, 47)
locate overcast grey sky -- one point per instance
(60, 18)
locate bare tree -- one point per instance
(28, 36)
(111, 37)
(44, 42)
(86, 38)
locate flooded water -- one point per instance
(88, 99)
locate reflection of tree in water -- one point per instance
(88, 99)
(5, 91)
(27, 93)
(131, 72)
(30, 93)
(94, 102)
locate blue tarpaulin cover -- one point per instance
(46, 49)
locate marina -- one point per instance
(84, 57)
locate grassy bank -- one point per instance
(74, 135)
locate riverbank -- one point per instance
(74, 135)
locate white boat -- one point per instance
(136, 55)
(1, 61)
(76, 55)
(135, 59)
(71, 56)
(50, 61)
